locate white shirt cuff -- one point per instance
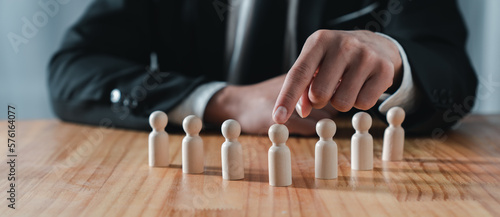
(195, 103)
(406, 96)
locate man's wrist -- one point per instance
(221, 106)
(196, 102)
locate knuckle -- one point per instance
(341, 104)
(319, 37)
(364, 103)
(386, 67)
(368, 55)
(386, 72)
(349, 43)
(299, 72)
(319, 95)
(288, 97)
(388, 83)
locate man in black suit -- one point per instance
(223, 60)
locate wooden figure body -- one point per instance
(394, 135)
(280, 163)
(361, 142)
(158, 144)
(231, 151)
(192, 146)
(326, 157)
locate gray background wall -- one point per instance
(482, 18)
(23, 73)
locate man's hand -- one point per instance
(252, 105)
(344, 68)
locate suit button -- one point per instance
(134, 104)
(126, 102)
(116, 95)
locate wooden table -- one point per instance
(73, 170)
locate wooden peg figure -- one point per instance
(192, 146)
(158, 145)
(326, 158)
(394, 135)
(231, 151)
(362, 142)
(280, 163)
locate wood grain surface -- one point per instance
(65, 169)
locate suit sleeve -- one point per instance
(108, 50)
(433, 35)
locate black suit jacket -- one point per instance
(109, 48)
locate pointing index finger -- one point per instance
(297, 80)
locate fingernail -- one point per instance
(280, 115)
(298, 107)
